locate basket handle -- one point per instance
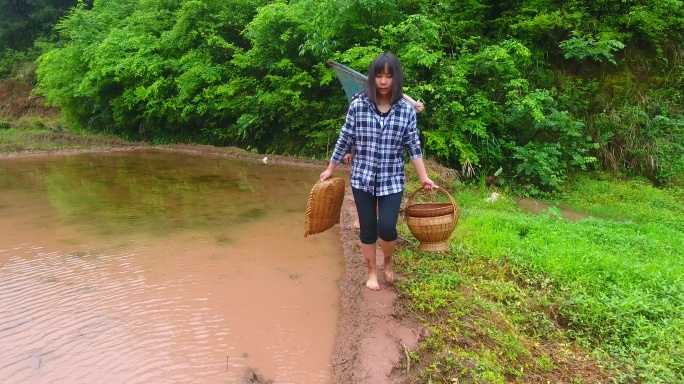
(453, 202)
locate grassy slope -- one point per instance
(27, 125)
(14, 140)
(536, 299)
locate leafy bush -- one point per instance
(537, 90)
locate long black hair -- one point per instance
(378, 66)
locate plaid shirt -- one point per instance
(378, 165)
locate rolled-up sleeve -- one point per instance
(346, 137)
(412, 138)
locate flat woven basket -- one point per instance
(324, 206)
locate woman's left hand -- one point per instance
(428, 184)
(419, 106)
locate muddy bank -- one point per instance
(374, 333)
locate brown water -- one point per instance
(537, 207)
(158, 267)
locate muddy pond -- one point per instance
(149, 266)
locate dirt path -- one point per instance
(373, 333)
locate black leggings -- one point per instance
(382, 224)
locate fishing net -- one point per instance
(352, 81)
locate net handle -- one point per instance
(409, 99)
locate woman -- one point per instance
(347, 159)
(380, 125)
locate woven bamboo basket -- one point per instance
(324, 206)
(432, 223)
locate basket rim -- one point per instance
(429, 209)
(409, 203)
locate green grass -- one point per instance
(526, 298)
(33, 134)
(626, 200)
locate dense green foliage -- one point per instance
(22, 23)
(536, 88)
(219, 73)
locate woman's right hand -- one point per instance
(329, 171)
(326, 174)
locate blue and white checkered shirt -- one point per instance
(379, 143)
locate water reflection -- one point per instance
(149, 266)
(153, 192)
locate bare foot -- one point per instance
(372, 282)
(356, 224)
(389, 270)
